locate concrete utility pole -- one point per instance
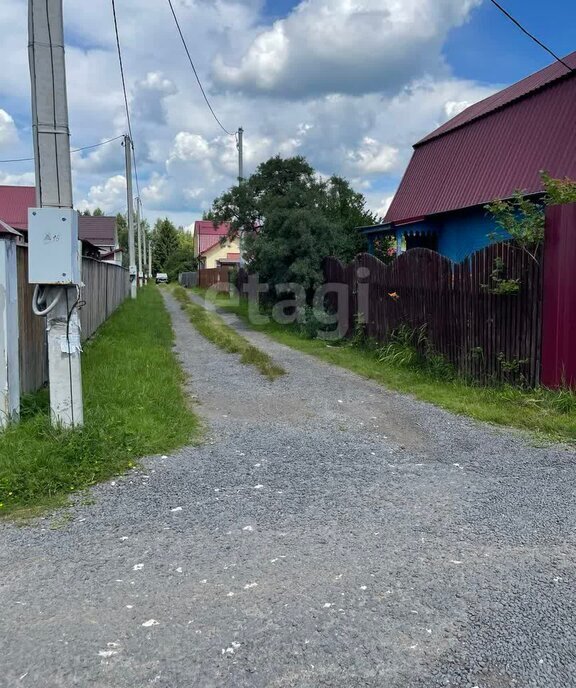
(130, 201)
(54, 255)
(240, 155)
(139, 230)
(144, 246)
(240, 181)
(150, 259)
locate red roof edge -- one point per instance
(517, 91)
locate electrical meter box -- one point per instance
(53, 248)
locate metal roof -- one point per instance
(492, 155)
(209, 235)
(508, 95)
(99, 230)
(14, 204)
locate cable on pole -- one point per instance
(74, 150)
(519, 25)
(196, 73)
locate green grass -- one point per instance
(218, 332)
(134, 405)
(547, 413)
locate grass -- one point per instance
(547, 413)
(218, 332)
(134, 405)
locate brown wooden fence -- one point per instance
(106, 288)
(486, 335)
(208, 277)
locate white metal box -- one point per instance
(53, 249)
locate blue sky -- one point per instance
(349, 85)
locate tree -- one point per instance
(291, 220)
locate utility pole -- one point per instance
(144, 249)
(130, 201)
(240, 146)
(139, 230)
(54, 255)
(150, 259)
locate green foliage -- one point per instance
(410, 347)
(521, 220)
(558, 191)
(173, 249)
(134, 406)
(291, 220)
(498, 283)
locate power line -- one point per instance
(74, 150)
(128, 120)
(196, 73)
(546, 48)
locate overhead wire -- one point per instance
(74, 150)
(196, 72)
(125, 92)
(530, 35)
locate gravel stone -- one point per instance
(376, 542)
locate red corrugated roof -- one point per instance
(506, 96)
(209, 235)
(207, 228)
(14, 204)
(493, 155)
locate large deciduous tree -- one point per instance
(291, 219)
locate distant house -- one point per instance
(487, 152)
(211, 246)
(99, 235)
(101, 231)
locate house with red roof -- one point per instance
(98, 234)
(212, 247)
(487, 152)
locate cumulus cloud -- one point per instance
(108, 196)
(351, 85)
(8, 132)
(339, 46)
(149, 94)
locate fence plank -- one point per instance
(485, 335)
(106, 287)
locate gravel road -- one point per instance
(327, 533)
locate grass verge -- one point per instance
(134, 405)
(218, 332)
(549, 414)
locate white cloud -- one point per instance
(373, 157)
(351, 86)
(8, 132)
(345, 46)
(109, 196)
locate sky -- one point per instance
(350, 84)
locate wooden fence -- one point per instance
(188, 279)
(209, 277)
(106, 288)
(485, 334)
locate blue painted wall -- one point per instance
(459, 233)
(463, 233)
